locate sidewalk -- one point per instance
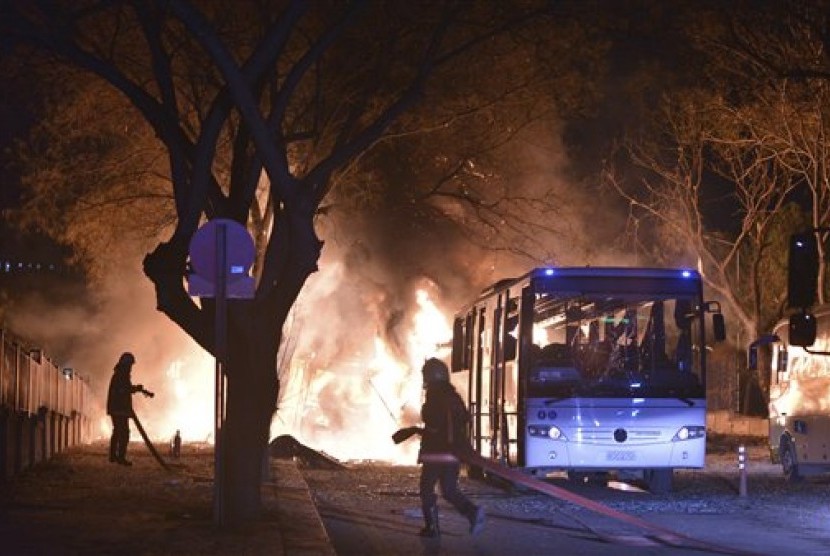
(299, 523)
(79, 503)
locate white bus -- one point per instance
(799, 398)
(589, 371)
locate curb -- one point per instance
(299, 522)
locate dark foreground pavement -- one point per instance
(374, 510)
(79, 503)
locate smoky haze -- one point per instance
(350, 365)
(339, 398)
(88, 333)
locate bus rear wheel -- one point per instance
(475, 472)
(789, 462)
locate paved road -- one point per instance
(374, 511)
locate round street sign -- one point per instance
(239, 250)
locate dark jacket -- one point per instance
(120, 394)
(445, 420)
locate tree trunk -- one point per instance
(252, 387)
(254, 334)
(251, 397)
(254, 337)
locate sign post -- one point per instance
(221, 253)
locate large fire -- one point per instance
(348, 408)
(367, 398)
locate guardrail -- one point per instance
(44, 408)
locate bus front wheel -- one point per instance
(659, 481)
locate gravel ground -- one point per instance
(800, 509)
(81, 504)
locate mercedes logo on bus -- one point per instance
(620, 435)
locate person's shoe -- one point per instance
(124, 461)
(429, 531)
(113, 459)
(477, 521)
(431, 527)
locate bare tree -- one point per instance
(778, 57)
(277, 87)
(721, 173)
(710, 195)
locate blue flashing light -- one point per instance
(549, 272)
(686, 274)
(237, 269)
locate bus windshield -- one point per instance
(628, 346)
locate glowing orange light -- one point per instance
(347, 407)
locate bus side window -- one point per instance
(683, 350)
(459, 347)
(511, 343)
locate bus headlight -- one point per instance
(556, 434)
(549, 431)
(689, 432)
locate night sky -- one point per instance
(648, 55)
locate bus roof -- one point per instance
(579, 272)
(615, 271)
(596, 272)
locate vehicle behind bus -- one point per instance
(589, 371)
(799, 363)
(799, 404)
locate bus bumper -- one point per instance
(553, 454)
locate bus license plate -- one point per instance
(620, 455)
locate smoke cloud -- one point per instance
(382, 302)
(88, 331)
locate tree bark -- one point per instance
(251, 399)
(254, 330)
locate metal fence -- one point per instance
(43, 408)
(30, 382)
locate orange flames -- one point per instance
(346, 408)
(351, 409)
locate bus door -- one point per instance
(509, 377)
(779, 391)
(496, 379)
(488, 345)
(477, 386)
(504, 381)
(523, 364)
(770, 354)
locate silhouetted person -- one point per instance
(176, 445)
(120, 407)
(444, 437)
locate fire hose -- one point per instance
(514, 476)
(144, 436)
